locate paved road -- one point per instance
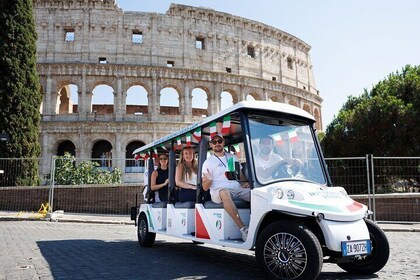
(48, 250)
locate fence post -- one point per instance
(52, 179)
(372, 180)
(368, 181)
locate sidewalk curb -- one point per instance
(60, 220)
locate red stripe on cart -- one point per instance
(201, 231)
(354, 207)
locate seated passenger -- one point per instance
(221, 189)
(268, 164)
(186, 175)
(159, 180)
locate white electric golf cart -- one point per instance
(297, 220)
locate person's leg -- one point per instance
(243, 193)
(230, 207)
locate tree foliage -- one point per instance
(20, 91)
(87, 172)
(383, 122)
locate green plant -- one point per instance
(87, 172)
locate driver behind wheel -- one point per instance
(269, 165)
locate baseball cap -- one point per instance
(217, 135)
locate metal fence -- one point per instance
(388, 185)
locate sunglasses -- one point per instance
(214, 142)
(163, 158)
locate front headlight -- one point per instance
(279, 193)
(290, 194)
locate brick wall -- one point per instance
(117, 199)
(96, 199)
(394, 207)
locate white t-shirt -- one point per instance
(216, 167)
(273, 159)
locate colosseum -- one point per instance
(157, 73)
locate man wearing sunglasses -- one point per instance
(223, 190)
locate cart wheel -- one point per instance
(287, 250)
(146, 238)
(374, 262)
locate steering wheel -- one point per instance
(286, 169)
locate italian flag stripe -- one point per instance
(226, 124)
(188, 139)
(213, 129)
(197, 134)
(277, 138)
(178, 142)
(293, 136)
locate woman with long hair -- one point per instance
(186, 175)
(160, 179)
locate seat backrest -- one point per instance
(173, 194)
(150, 195)
(202, 156)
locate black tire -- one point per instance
(146, 238)
(376, 260)
(288, 250)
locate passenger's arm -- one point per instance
(155, 186)
(179, 180)
(206, 179)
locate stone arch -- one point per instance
(317, 117)
(133, 165)
(275, 98)
(226, 99)
(137, 100)
(103, 99)
(146, 84)
(170, 100)
(41, 106)
(67, 100)
(61, 95)
(250, 97)
(200, 102)
(293, 103)
(102, 152)
(255, 94)
(307, 108)
(66, 146)
(235, 93)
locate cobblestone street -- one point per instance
(48, 250)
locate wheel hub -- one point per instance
(285, 255)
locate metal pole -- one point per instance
(373, 188)
(52, 179)
(368, 182)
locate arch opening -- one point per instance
(199, 102)
(137, 100)
(102, 100)
(132, 164)
(169, 101)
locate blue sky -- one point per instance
(355, 43)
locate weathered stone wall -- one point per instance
(237, 56)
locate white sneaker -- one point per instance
(244, 232)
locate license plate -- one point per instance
(359, 247)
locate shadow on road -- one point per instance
(98, 259)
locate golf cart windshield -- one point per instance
(284, 149)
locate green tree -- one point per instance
(87, 172)
(383, 122)
(20, 91)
